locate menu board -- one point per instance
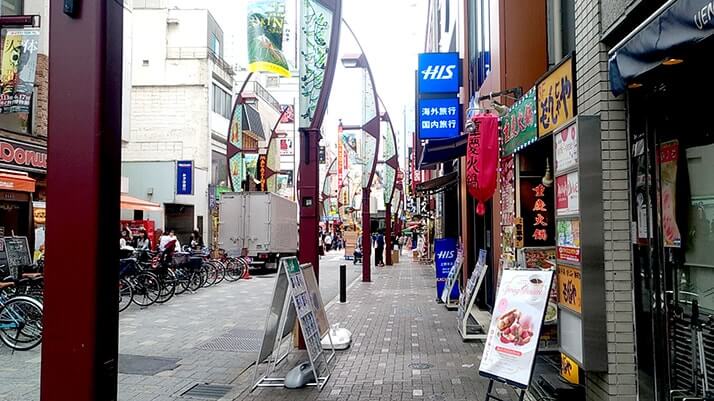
(568, 244)
(472, 285)
(512, 341)
(305, 309)
(314, 291)
(15, 254)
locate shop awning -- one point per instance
(438, 184)
(131, 203)
(252, 122)
(442, 150)
(673, 27)
(16, 182)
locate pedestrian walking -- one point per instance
(378, 254)
(328, 242)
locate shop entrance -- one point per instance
(180, 219)
(672, 154)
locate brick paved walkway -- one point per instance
(396, 324)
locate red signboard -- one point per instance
(569, 254)
(23, 156)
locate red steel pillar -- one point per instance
(366, 237)
(388, 233)
(308, 180)
(80, 339)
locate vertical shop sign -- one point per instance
(482, 160)
(184, 177)
(444, 257)
(262, 167)
(567, 194)
(17, 70)
(518, 233)
(439, 118)
(569, 370)
(570, 288)
(556, 97)
(566, 148)
(537, 212)
(520, 127)
(668, 157)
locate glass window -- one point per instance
(11, 7)
(221, 101)
(215, 45)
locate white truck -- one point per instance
(261, 225)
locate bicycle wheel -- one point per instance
(183, 279)
(195, 280)
(126, 294)
(221, 270)
(213, 271)
(146, 289)
(168, 287)
(21, 323)
(234, 270)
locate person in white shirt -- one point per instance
(328, 242)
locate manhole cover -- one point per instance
(145, 365)
(232, 344)
(211, 391)
(420, 365)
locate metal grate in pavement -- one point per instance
(245, 333)
(145, 365)
(408, 310)
(210, 391)
(232, 344)
(420, 365)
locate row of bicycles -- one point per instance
(147, 278)
(21, 309)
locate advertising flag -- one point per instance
(17, 70)
(266, 19)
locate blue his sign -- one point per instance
(439, 73)
(439, 118)
(444, 257)
(184, 177)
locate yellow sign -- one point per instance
(39, 215)
(569, 370)
(556, 98)
(569, 288)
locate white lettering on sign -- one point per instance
(434, 72)
(704, 15)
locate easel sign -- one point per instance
(467, 300)
(512, 341)
(446, 294)
(294, 292)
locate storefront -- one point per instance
(671, 156)
(551, 219)
(23, 186)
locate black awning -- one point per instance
(253, 122)
(442, 150)
(438, 184)
(674, 26)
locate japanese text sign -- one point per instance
(556, 98)
(439, 73)
(567, 193)
(566, 148)
(439, 118)
(184, 177)
(537, 212)
(520, 123)
(569, 288)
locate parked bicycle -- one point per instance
(20, 318)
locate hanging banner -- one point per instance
(340, 157)
(519, 125)
(512, 342)
(184, 177)
(668, 157)
(287, 147)
(265, 37)
(482, 160)
(288, 115)
(556, 97)
(17, 72)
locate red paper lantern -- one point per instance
(482, 159)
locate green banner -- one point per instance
(265, 37)
(520, 125)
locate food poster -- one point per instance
(668, 157)
(567, 193)
(518, 315)
(570, 288)
(568, 232)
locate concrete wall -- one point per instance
(619, 383)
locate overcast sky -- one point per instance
(392, 34)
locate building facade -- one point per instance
(181, 100)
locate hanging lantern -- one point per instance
(482, 159)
